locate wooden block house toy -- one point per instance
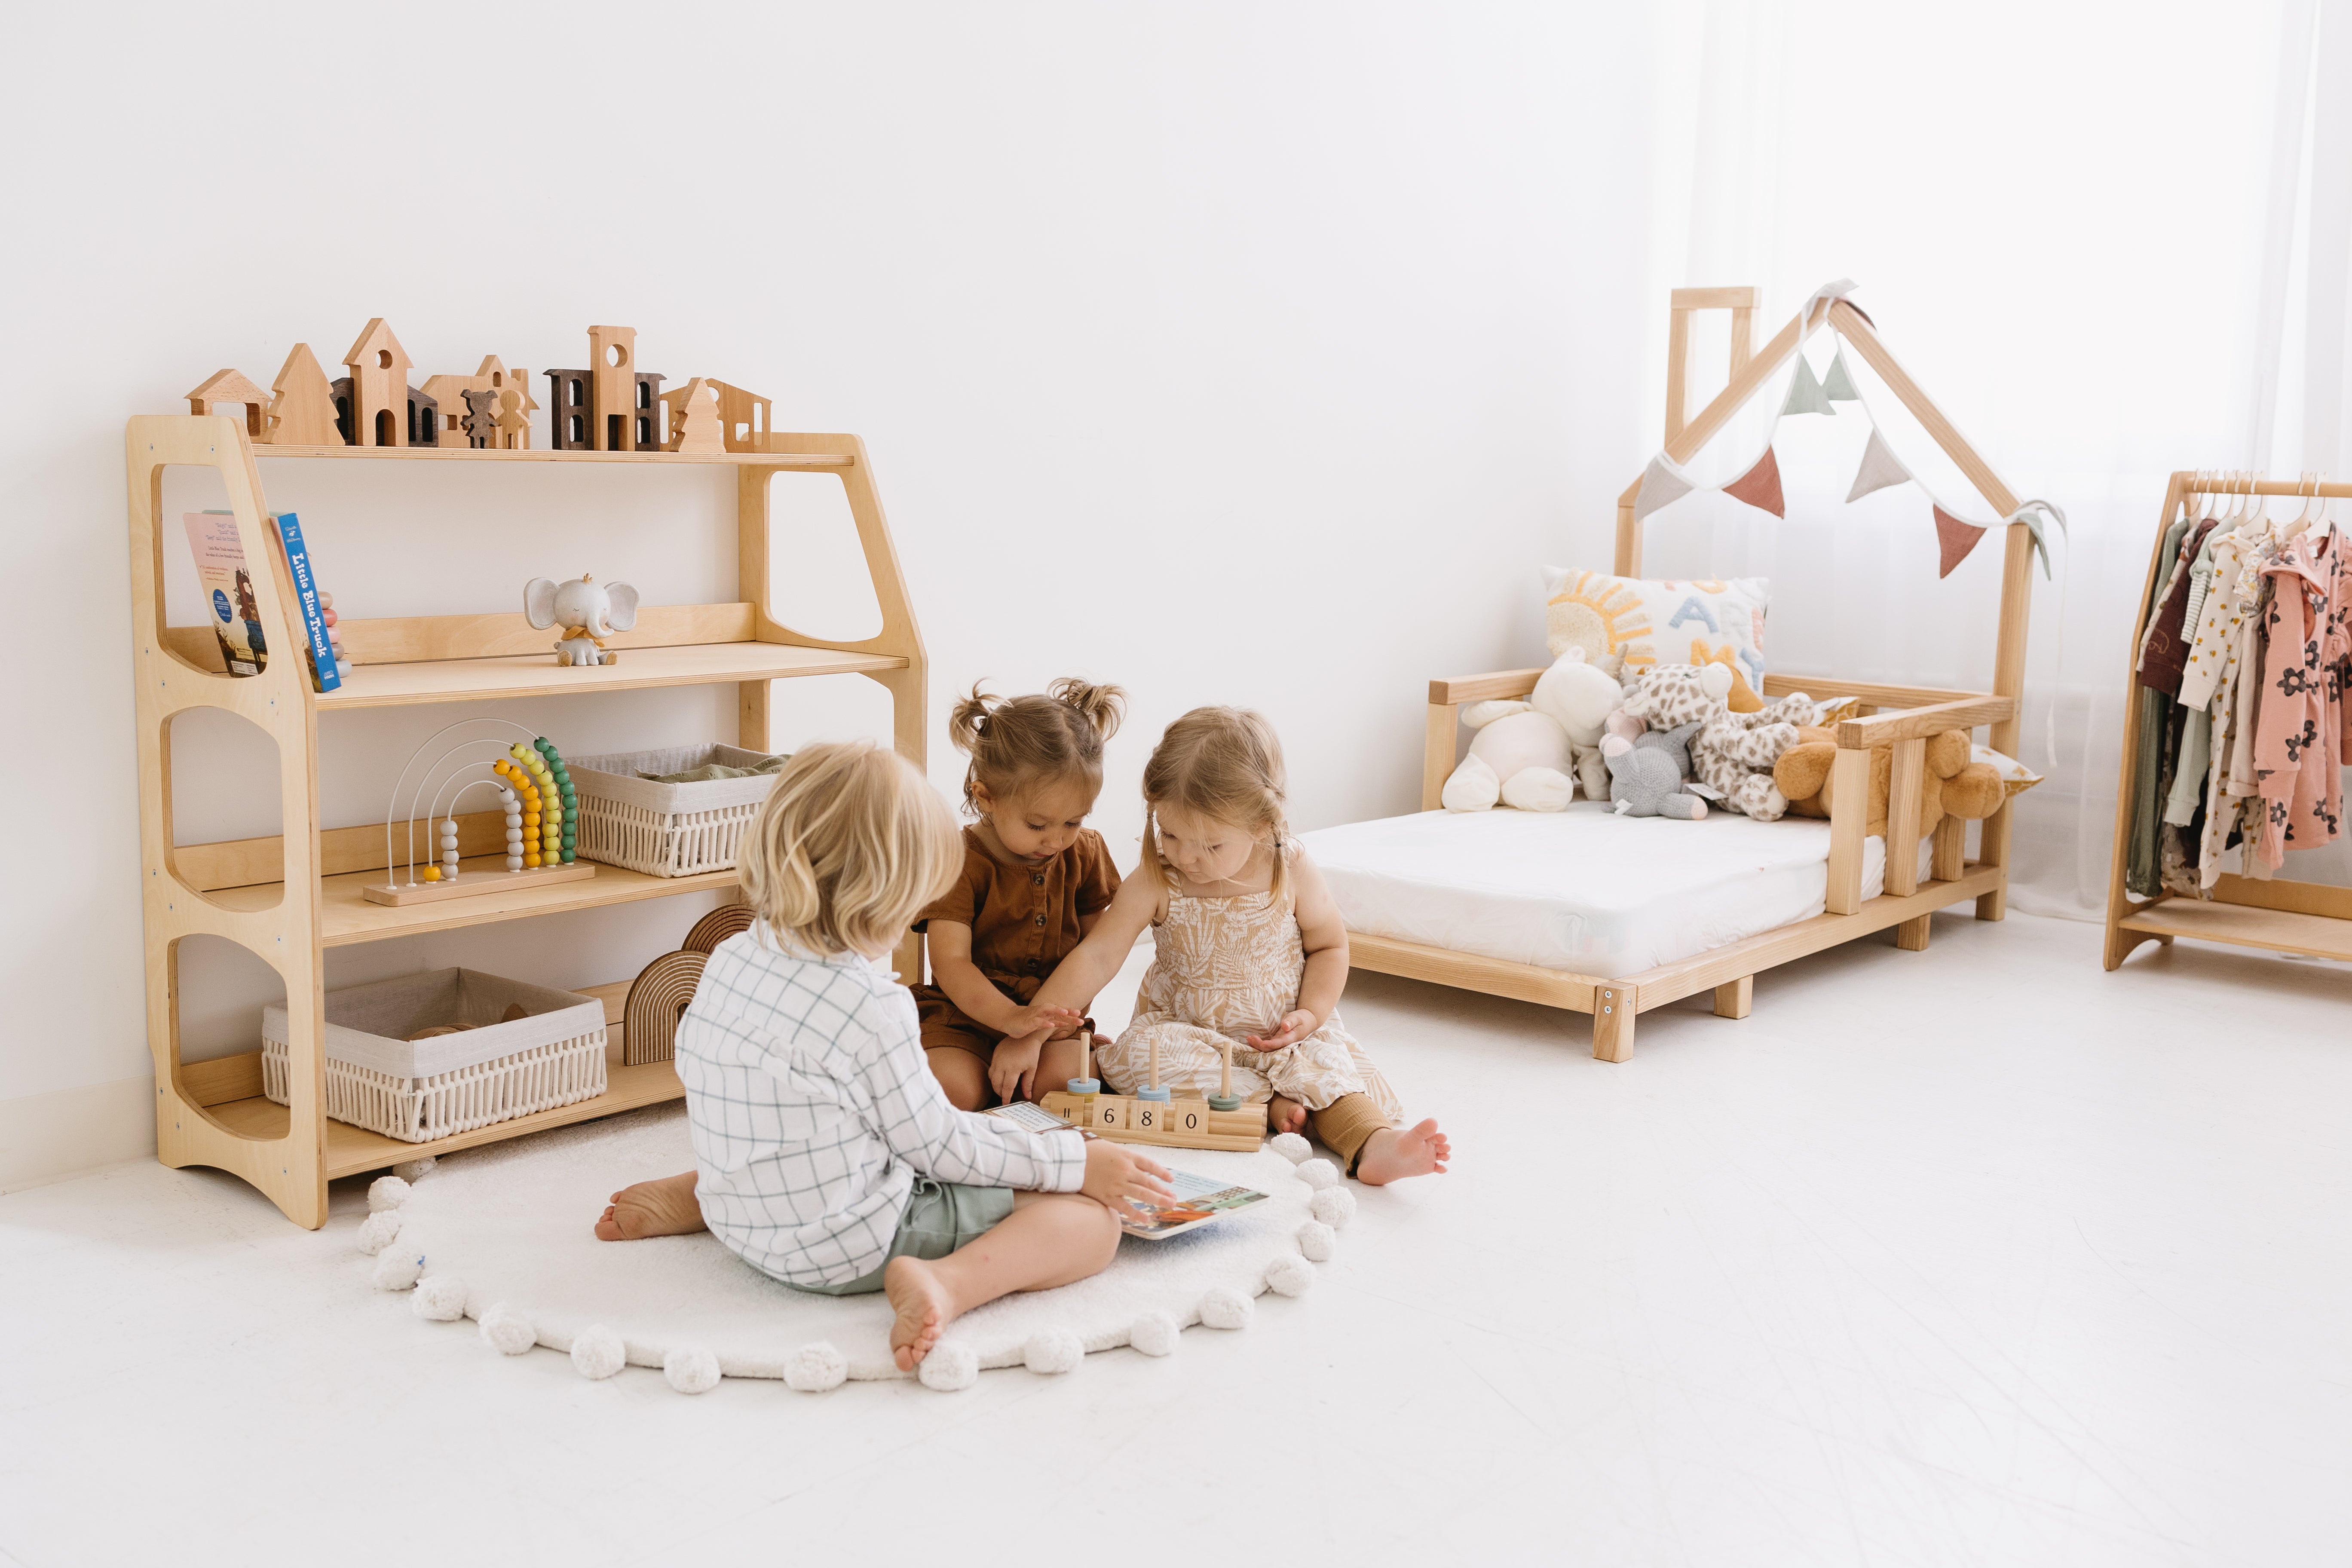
(228, 389)
(375, 406)
(487, 411)
(302, 411)
(611, 406)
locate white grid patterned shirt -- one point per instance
(814, 1109)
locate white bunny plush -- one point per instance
(1532, 755)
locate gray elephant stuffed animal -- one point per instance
(1646, 774)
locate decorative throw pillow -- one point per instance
(2016, 778)
(1628, 624)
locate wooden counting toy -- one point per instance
(538, 803)
(1152, 1114)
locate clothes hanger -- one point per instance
(2302, 521)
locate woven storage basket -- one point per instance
(665, 829)
(420, 1089)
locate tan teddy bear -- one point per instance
(1951, 784)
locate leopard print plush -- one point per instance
(1668, 696)
(1734, 754)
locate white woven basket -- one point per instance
(416, 1090)
(665, 829)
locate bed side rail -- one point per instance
(1902, 715)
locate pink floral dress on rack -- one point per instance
(2299, 738)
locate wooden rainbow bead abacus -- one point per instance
(543, 808)
(535, 794)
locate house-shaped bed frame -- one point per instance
(1903, 715)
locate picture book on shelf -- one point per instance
(324, 676)
(227, 585)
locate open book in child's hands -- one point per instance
(1197, 1199)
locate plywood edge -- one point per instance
(1491, 977)
(1766, 950)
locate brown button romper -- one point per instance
(1024, 920)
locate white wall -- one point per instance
(1233, 352)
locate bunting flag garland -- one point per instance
(1760, 485)
(1838, 385)
(1665, 481)
(1880, 467)
(1954, 538)
(1660, 482)
(1804, 391)
(2031, 513)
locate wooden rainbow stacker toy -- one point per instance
(1153, 1115)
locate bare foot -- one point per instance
(666, 1208)
(1390, 1155)
(923, 1307)
(1284, 1115)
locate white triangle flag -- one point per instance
(1660, 482)
(1880, 467)
(1838, 385)
(1805, 393)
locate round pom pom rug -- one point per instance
(507, 1231)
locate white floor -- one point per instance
(1978, 1256)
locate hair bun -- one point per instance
(1103, 707)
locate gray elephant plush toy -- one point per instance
(587, 610)
(1646, 774)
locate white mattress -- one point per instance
(1583, 889)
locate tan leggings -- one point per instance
(1347, 1124)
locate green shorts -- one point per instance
(939, 1216)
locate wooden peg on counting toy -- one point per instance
(1225, 1098)
(1086, 1085)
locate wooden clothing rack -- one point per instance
(2273, 915)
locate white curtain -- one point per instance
(2109, 243)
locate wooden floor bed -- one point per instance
(1905, 716)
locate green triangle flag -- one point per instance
(1805, 393)
(1838, 386)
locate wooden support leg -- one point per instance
(1911, 936)
(1612, 1023)
(1733, 1000)
(1992, 848)
(2120, 944)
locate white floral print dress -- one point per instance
(1226, 968)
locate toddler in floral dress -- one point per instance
(1251, 955)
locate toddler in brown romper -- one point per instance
(1035, 879)
(1024, 920)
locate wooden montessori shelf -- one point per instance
(822, 461)
(345, 918)
(352, 1149)
(538, 674)
(286, 896)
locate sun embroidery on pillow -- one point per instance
(1604, 617)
